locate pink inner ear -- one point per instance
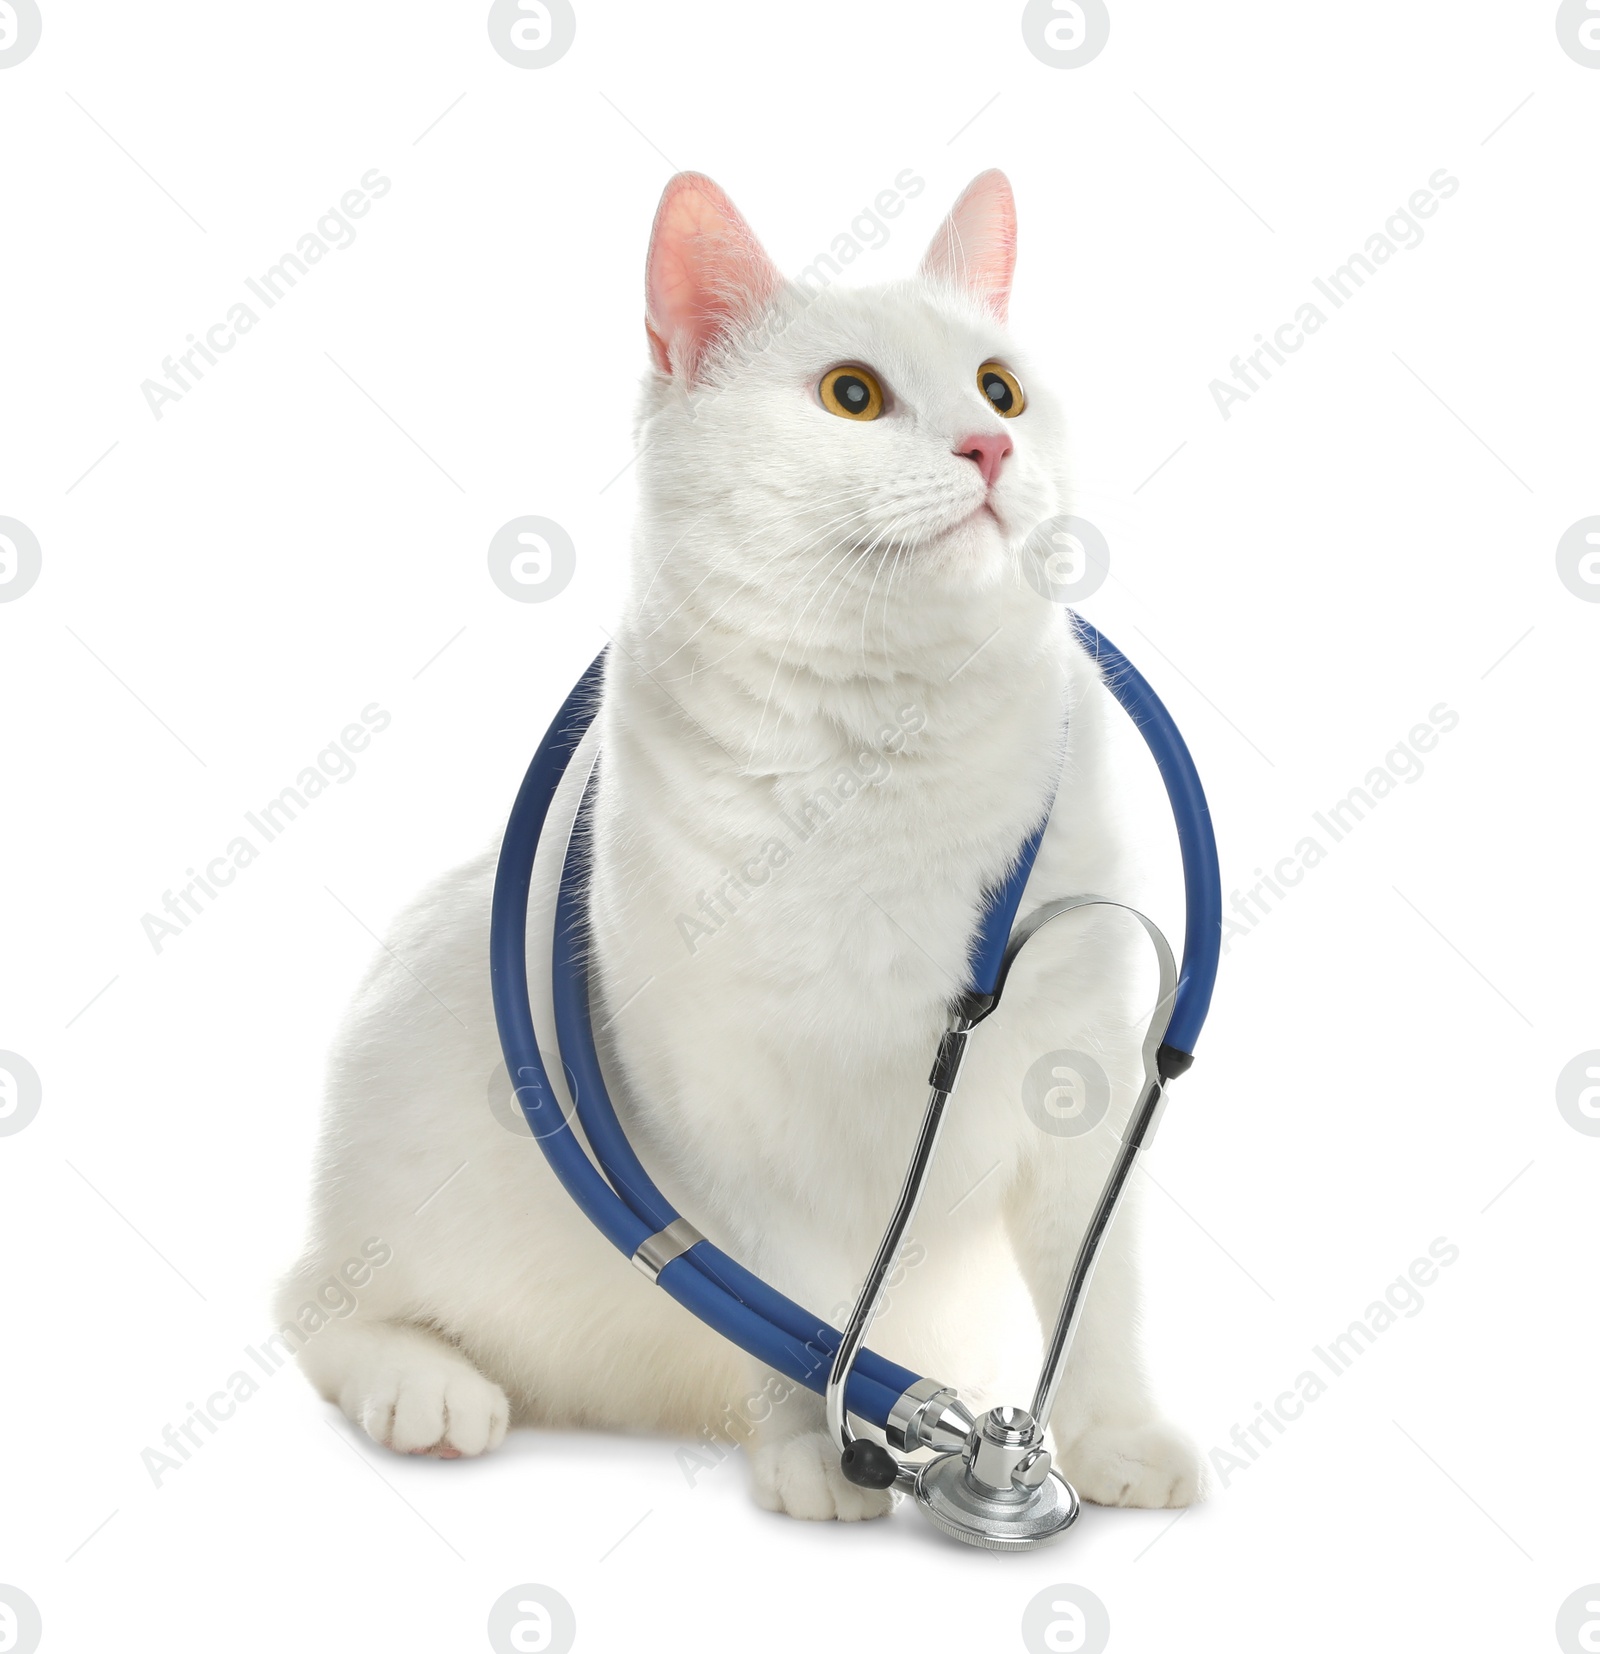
(706, 273)
(976, 246)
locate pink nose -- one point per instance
(988, 452)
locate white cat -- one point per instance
(831, 714)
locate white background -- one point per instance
(305, 531)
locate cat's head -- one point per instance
(823, 432)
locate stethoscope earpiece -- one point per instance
(868, 1465)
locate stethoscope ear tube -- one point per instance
(946, 1071)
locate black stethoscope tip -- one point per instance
(869, 1465)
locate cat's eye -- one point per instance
(1001, 390)
(851, 392)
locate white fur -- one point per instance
(812, 598)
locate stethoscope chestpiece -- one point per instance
(1001, 1491)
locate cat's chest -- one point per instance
(861, 858)
(885, 858)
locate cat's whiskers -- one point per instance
(866, 609)
(766, 707)
(760, 527)
(746, 585)
(840, 584)
(888, 596)
(844, 581)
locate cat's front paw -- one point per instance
(1152, 1466)
(445, 1409)
(800, 1476)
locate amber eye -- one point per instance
(852, 393)
(1001, 390)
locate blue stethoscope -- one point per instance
(989, 1481)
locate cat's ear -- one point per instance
(705, 275)
(975, 248)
